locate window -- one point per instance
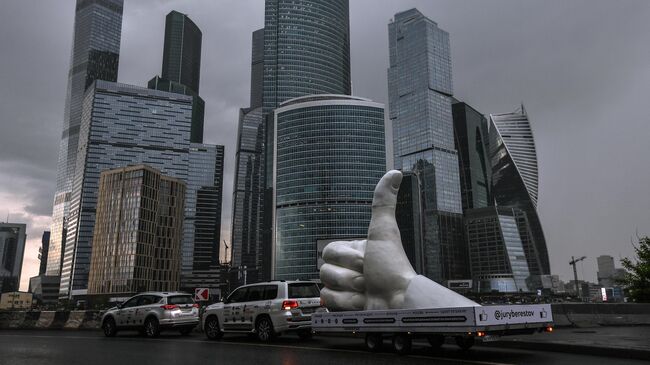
(131, 302)
(180, 299)
(237, 296)
(270, 292)
(303, 290)
(255, 293)
(148, 299)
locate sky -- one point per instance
(581, 67)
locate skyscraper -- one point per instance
(138, 232)
(420, 98)
(306, 52)
(248, 188)
(306, 49)
(12, 249)
(122, 125)
(181, 66)
(329, 154)
(182, 51)
(514, 178)
(496, 252)
(42, 252)
(471, 135)
(94, 56)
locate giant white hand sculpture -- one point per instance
(375, 273)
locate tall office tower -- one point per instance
(420, 90)
(248, 188)
(471, 132)
(42, 252)
(122, 125)
(306, 52)
(514, 178)
(12, 249)
(306, 49)
(95, 56)
(181, 67)
(329, 154)
(496, 250)
(138, 232)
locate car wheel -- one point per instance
(109, 327)
(212, 330)
(374, 342)
(152, 327)
(305, 334)
(465, 342)
(402, 343)
(264, 329)
(185, 331)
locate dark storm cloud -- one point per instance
(580, 67)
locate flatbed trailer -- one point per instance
(464, 324)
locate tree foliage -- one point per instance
(637, 276)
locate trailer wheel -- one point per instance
(465, 342)
(436, 341)
(374, 342)
(402, 343)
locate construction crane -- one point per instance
(573, 263)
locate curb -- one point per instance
(616, 352)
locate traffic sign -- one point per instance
(201, 294)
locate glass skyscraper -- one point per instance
(496, 250)
(306, 49)
(329, 155)
(181, 66)
(94, 56)
(248, 189)
(515, 178)
(420, 97)
(471, 132)
(12, 250)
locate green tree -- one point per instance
(637, 276)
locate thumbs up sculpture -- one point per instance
(375, 273)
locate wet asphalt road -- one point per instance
(91, 348)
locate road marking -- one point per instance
(309, 348)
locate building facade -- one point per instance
(12, 249)
(138, 232)
(45, 289)
(420, 97)
(42, 252)
(248, 249)
(181, 66)
(94, 56)
(515, 178)
(122, 125)
(329, 154)
(306, 49)
(496, 253)
(471, 136)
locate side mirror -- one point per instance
(119, 305)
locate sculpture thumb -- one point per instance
(382, 224)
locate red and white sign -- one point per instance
(201, 294)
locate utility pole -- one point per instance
(225, 244)
(573, 263)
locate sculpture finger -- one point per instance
(383, 225)
(345, 254)
(342, 300)
(340, 278)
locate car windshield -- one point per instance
(303, 290)
(180, 299)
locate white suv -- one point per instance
(265, 309)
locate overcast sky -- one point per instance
(582, 68)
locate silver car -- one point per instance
(151, 312)
(265, 309)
